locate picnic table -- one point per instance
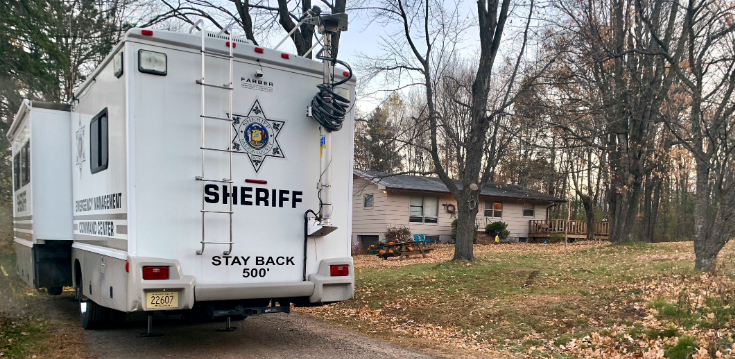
(404, 249)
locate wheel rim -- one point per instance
(83, 307)
(83, 304)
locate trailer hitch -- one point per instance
(250, 311)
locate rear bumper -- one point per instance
(319, 288)
(214, 292)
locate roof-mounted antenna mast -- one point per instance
(327, 108)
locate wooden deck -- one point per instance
(575, 229)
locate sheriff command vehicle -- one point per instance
(191, 170)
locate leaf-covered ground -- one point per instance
(530, 300)
(27, 329)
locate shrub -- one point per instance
(499, 229)
(397, 234)
(556, 238)
(454, 232)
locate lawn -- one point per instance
(532, 300)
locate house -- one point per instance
(425, 205)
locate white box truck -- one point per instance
(188, 173)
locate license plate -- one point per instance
(155, 300)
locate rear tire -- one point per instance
(117, 318)
(91, 314)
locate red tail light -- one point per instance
(339, 271)
(259, 50)
(346, 73)
(155, 273)
(127, 267)
(147, 32)
(285, 56)
(234, 44)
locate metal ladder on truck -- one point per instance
(204, 117)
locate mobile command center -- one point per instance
(191, 171)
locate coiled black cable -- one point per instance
(328, 108)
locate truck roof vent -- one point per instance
(239, 39)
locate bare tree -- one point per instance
(256, 18)
(708, 76)
(422, 53)
(615, 76)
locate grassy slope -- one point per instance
(517, 298)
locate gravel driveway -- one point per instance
(268, 336)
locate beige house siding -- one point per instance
(513, 215)
(391, 208)
(368, 221)
(398, 213)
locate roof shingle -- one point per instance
(433, 184)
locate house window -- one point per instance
(368, 203)
(99, 154)
(16, 171)
(368, 240)
(25, 166)
(494, 209)
(423, 209)
(528, 210)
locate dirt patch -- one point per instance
(531, 277)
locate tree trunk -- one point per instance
(463, 247)
(589, 211)
(625, 204)
(655, 203)
(647, 206)
(706, 246)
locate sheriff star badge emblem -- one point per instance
(256, 135)
(80, 158)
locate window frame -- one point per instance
(16, 171)
(26, 164)
(493, 210)
(532, 209)
(411, 218)
(102, 143)
(365, 201)
(433, 219)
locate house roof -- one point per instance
(433, 184)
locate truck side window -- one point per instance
(26, 163)
(16, 171)
(99, 154)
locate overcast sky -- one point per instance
(363, 36)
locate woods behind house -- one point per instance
(624, 107)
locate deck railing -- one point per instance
(552, 226)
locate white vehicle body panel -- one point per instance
(145, 208)
(42, 192)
